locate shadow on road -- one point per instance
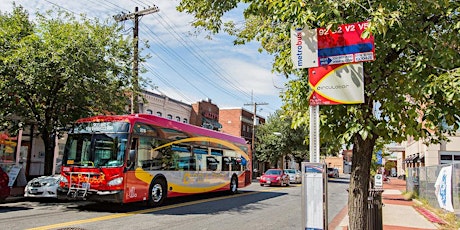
(208, 203)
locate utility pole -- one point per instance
(254, 104)
(135, 81)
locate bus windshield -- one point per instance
(95, 150)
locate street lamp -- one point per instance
(278, 134)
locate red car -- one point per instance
(4, 189)
(274, 177)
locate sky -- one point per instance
(185, 65)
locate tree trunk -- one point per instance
(359, 182)
(48, 141)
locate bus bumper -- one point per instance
(90, 195)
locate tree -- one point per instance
(277, 139)
(411, 89)
(57, 69)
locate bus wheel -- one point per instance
(157, 192)
(234, 185)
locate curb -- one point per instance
(430, 216)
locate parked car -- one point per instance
(333, 172)
(274, 177)
(4, 188)
(43, 187)
(294, 175)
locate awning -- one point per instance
(411, 159)
(210, 124)
(200, 151)
(422, 159)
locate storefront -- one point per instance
(12, 159)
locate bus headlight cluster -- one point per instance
(116, 181)
(63, 179)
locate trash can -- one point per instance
(374, 206)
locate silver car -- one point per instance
(295, 176)
(43, 187)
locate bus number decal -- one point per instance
(132, 192)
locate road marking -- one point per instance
(120, 215)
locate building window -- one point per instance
(149, 111)
(169, 116)
(159, 114)
(185, 120)
(177, 118)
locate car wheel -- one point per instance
(262, 185)
(234, 185)
(157, 192)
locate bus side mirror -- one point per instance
(131, 159)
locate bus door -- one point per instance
(138, 174)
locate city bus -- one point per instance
(146, 158)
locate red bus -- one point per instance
(141, 157)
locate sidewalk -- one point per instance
(397, 213)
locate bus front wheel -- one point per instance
(234, 185)
(157, 192)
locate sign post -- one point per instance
(328, 54)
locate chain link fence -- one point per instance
(421, 180)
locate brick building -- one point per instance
(205, 114)
(239, 122)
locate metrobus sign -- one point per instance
(320, 47)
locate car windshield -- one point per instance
(273, 172)
(290, 171)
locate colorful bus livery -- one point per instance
(140, 157)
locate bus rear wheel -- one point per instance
(234, 185)
(157, 192)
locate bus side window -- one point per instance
(226, 163)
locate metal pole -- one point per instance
(135, 100)
(314, 133)
(18, 145)
(253, 140)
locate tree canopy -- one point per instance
(57, 68)
(277, 139)
(411, 89)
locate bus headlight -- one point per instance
(63, 179)
(116, 181)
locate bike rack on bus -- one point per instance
(79, 187)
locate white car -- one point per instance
(42, 187)
(295, 176)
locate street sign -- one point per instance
(378, 181)
(320, 47)
(337, 84)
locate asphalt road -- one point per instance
(254, 208)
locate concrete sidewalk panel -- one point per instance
(405, 216)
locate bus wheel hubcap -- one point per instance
(233, 185)
(157, 192)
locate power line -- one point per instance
(135, 16)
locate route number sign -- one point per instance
(321, 47)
